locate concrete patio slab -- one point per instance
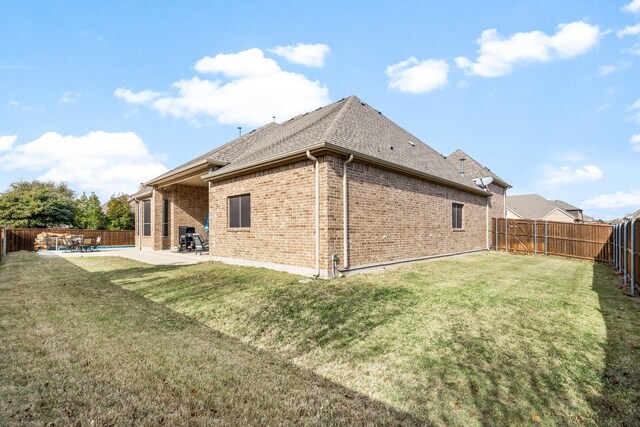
(148, 257)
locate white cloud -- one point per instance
(141, 97)
(619, 199)
(248, 63)
(629, 30)
(635, 142)
(309, 55)
(413, 76)
(567, 175)
(69, 97)
(103, 162)
(635, 105)
(633, 7)
(604, 70)
(499, 55)
(256, 89)
(601, 108)
(6, 142)
(635, 50)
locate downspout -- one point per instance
(487, 222)
(345, 213)
(314, 159)
(139, 226)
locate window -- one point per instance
(240, 211)
(146, 214)
(165, 218)
(456, 216)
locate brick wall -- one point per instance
(391, 216)
(397, 217)
(188, 207)
(282, 216)
(496, 202)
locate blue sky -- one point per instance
(104, 95)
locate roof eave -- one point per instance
(141, 195)
(183, 172)
(222, 173)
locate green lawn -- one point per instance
(487, 339)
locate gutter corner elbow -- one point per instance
(310, 157)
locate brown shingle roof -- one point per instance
(534, 206)
(348, 125)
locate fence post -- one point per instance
(633, 258)
(497, 240)
(614, 247)
(617, 246)
(506, 235)
(546, 238)
(535, 237)
(624, 265)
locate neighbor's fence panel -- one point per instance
(573, 240)
(627, 252)
(22, 239)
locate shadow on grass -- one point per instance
(300, 317)
(336, 317)
(131, 360)
(619, 403)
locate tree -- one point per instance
(88, 213)
(119, 214)
(36, 204)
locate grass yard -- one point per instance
(487, 339)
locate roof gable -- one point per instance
(473, 168)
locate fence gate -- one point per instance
(573, 240)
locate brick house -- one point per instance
(340, 188)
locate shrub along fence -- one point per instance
(22, 239)
(617, 244)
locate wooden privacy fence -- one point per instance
(617, 244)
(574, 240)
(21, 239)
(626, 254)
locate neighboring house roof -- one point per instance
(474, 169)
(348, 126)
(566, 206)
(534, 206)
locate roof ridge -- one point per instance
(330, 131)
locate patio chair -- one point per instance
(95, 243)
(200, 244)
(70, 243)
(86, 243)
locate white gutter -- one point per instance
(345, 213)
(487, 223)
(316, 166)
(504, 201)
(139, 227)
